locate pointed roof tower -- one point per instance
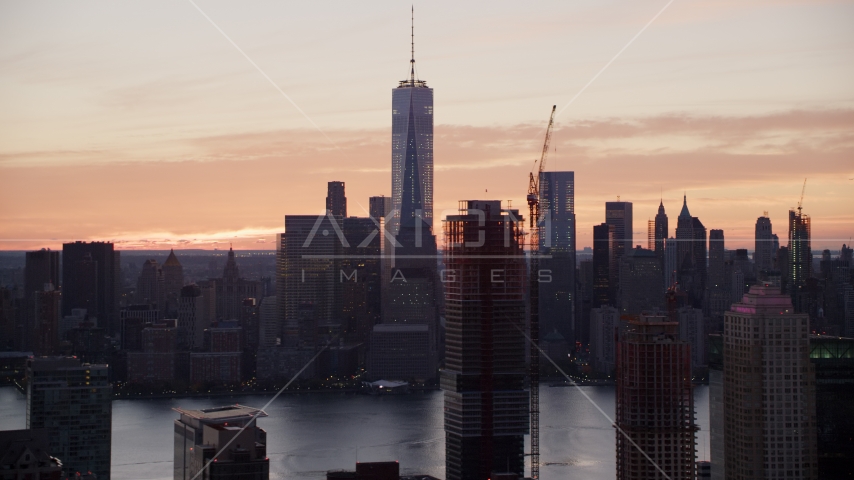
(685, 213)
(661, 207)
(172, 260)
(230, 270)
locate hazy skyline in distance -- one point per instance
(141, 124)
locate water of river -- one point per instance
(309, 434)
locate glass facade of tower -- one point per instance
(412, 151)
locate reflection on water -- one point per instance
(310, 434)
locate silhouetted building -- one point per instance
(270, 327)
(661, 232)
(201, 435)
(196, 312)
(692, 329)
(655, 402)
(360, 274)
(640, 282)
(150, 287)
(24, 455)
(173, 281)
(691, 255)
(134, 318)
(800, 256)
(833, 360)
(486, 404)
(718, 297)
(42, 267)
(232, 290)
(769, 389)
(45, 305)
(764, 251)
(400, 352)
(336, 200)
(157, 362)
(72, 401)
(604, 329)
(604, 261)
(619, 214)
(379, 207)
(90, 280)
(557, 247)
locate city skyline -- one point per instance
(732, 121)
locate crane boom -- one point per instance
(801, 201)
(534, 309)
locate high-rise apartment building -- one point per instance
(655, 402)
(486, 404)
(90, 280)
(150, 285)
(412, 150)
(201, 435)
(336, 200)
(769, 389)
(763, 253)
(72, 401)
(557, 247)
(196, 312)
(800, 255)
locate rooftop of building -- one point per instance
(764, 298)
(235, 411)
(399, 328)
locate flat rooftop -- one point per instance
(222, 413)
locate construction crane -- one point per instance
(801, 201)
(534, 327)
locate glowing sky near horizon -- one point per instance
(141, 124)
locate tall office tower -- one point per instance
(232, 290)
(42, 266)
(196, 312)
(150, 285)
(557, 244)
(412, 150)
(763, 254)
(173, 280)
(718, 293)
(619, 214)
(379, 207)
(640, 282)
(486, 404)
(90, 280)
(691, 255)
(661, 232)
(692, 329)
(201, 435)
(269, 328)
(603, 265)
(361, 301)
(45, 309)
(336, 201)
(800, 256)
(584, 302)
(655, 402)
(834, 409)
(72, 401)
(769, 389)
(671, 261)
(604, 325)
(308, 271)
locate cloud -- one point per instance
(211, 188)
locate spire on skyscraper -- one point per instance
(412, 41)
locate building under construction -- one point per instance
(655, 403)
(486, 404)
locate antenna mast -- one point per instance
(412, 57)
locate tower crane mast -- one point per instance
(534, 321)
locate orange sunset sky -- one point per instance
(140, 123)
